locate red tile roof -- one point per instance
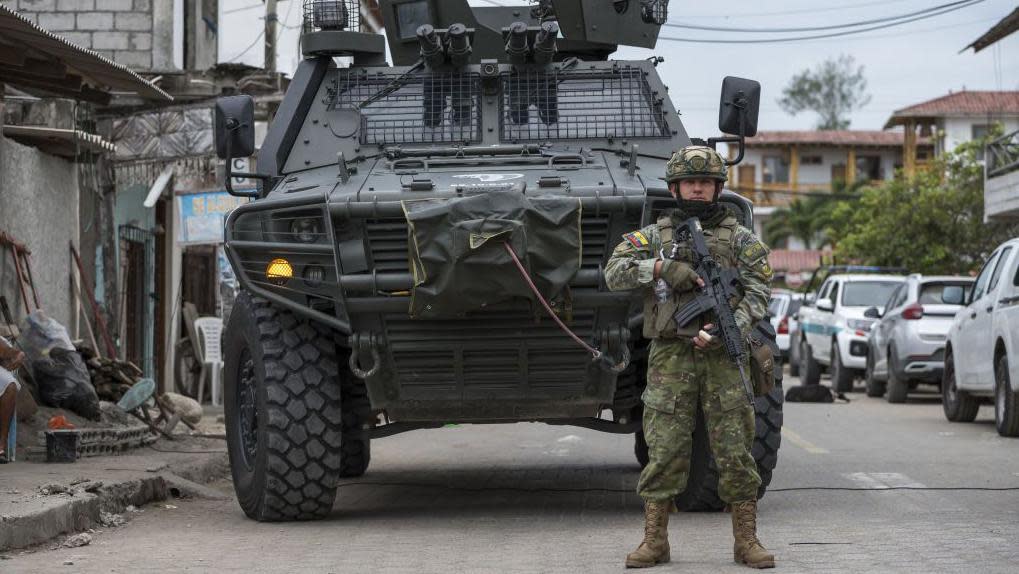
(794, 260)
(964, 103)
(874, 138)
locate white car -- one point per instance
(982, 356)
(833, 330)
(782, 309)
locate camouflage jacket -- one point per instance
(632, 263)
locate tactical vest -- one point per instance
(658, 321)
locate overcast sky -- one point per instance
(903, 65)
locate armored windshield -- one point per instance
(533, 105)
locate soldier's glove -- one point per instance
(679, 275)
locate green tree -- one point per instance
(930, 223)
(809, 219)
(834, 89)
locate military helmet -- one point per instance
(695, 162)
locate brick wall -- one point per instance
(121, 30)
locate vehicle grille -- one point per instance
(387, 239)
(488, 354)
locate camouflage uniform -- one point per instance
(681, 376)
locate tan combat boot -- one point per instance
(748, 549)
(655, 547)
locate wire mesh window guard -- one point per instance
(332, 15)
(419, 108)
(616, 103)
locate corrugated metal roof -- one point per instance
(1006, 26)
(34, 58)
(62, 142)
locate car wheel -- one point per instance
(958, 405)
(794, 360)
(1006, 400)
(898, 387)
(810, 370)
(841, 377)
(875, 388)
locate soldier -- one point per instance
(689, 367)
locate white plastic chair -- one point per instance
(210, 331)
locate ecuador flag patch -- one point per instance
(636, 239)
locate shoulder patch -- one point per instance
(753, 251)
(637, 239)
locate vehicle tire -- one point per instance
(355, 411)
(794, 359)
(841, 377)
(875, 388)
(1006, 400)
(898, 387)
(282, 395)
(810, 370)
(958, 405)
(701, 492)
(640, 448)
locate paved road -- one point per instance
(534, 498)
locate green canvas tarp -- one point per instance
(459, 261)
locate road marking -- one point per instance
(883, 480)
(802, 442)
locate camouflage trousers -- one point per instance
(679, 378)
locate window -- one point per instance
(811, 160)
(776, 169)
(1001, 267)
(834, 295)
(934, 293)
(775, 305)
(868, 293)
(979, 132)
(985, 274)
(893, 299)
(868, 168)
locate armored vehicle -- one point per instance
(425, 233)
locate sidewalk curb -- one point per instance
(82, 512)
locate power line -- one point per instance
(246, 50)
(856, 24)
(813, 37)
(806, 10)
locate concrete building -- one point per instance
(1001, 178)
(49, 159)
(953, 119)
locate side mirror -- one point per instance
(825, 305)
(739, 106)
(235, 137)
(809, 299)
(235, 126)
(872, 313)
(953, 295)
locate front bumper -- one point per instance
(852, 349)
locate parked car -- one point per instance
(833, 330)
(982, 356)
(782, 309)
(907, 345)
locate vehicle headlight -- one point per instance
(279, 271)
(306, 229)
(859, 324)
(314, 275)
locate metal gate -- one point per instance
(138, 296)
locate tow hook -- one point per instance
(359, 341)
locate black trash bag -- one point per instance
(458, 256)
(59, 371)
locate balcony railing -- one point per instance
(1003, 155)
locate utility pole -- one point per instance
(271, 20)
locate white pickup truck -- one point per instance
(833, 331)
(982, 356)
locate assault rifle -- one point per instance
(720, 287)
